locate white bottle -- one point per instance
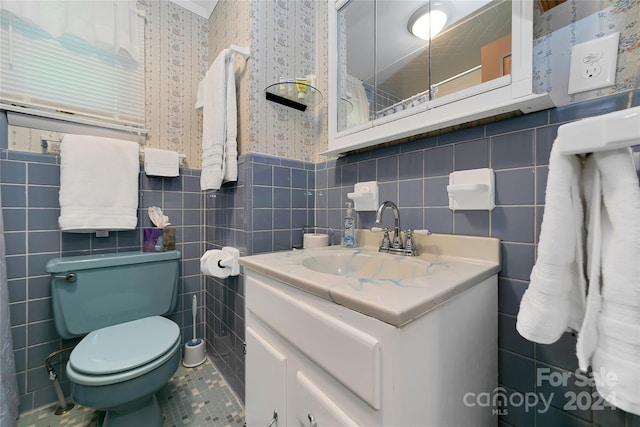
(349, 240)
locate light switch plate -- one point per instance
(593, 64)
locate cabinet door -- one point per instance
(265, 382)
(313, 408)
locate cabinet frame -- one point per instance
(505, 94)
(428, 364)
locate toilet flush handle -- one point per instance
(69, 277)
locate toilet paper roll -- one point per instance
(210, 264)
(315, 240)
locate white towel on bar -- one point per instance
(161, 162)
(555, 298)
(231, 143)
(217, 98)
(605, 310)
(98, 184)
(610, 337)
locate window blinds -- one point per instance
(69, 76)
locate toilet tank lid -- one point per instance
(84, 262)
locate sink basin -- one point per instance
(366, 265)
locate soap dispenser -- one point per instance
(349, 240)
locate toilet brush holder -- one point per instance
(194, 353)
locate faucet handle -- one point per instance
(386, 241)
(408, 243)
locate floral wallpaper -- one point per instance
(177, 56)
(574, 22)
(230, 24)
(284, 36)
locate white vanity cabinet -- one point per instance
(319, 363)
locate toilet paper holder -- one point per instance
(306, 229)
(220, 263)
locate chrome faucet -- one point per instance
(397, 238)
(395, 246)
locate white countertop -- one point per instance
(452, 265)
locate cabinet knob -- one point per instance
(274, 419)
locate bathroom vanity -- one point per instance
(353, 337)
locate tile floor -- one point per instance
(193, 397)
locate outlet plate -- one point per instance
(593, 64)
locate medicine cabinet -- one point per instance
(385, 83)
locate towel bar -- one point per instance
(52, 145)
(605, 132)
(244, 51)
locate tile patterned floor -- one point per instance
(193, 397)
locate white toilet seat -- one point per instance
(124, 351)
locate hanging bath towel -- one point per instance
(98, 184)
(555, 298)
(217, 98)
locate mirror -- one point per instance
(384, 69)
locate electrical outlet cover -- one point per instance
(593, 64)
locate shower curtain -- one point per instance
(8, 383)
(360, 113)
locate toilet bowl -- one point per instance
(129, 351)
(119, 368)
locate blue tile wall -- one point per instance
(30, 183)
(518, 151)
(263, 212)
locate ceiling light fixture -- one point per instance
(427, 21)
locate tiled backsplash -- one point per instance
(264, 211)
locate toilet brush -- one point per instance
(194, 308)
(194, 353)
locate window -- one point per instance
(67, 78)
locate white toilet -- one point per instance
(130, 351)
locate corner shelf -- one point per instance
(286, 93)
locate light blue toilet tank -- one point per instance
(112, 288)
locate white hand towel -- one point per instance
(161, 162)
(554, 300)
(214, 124)
(231, 144)
(98, 184)
(588, 335)
(618, 325)
(219, 123)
